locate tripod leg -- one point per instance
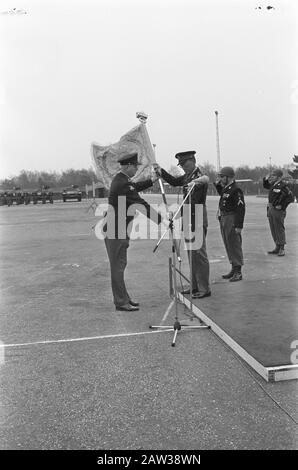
(161, 326)
(175, 336)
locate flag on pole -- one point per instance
(105, 158)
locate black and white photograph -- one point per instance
(149, 230)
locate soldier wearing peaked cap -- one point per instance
(129, 159)
(199, 268)
(231, 214)
(123, 194)
(279, 197)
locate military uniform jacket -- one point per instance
(279, 193)
(232, 202)
(122, 186)
(198, 194)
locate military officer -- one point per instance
(122, 196)
(199, 269)
(231, 214)
(279, 197)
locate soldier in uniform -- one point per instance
(199, 269)
(279, 197)
(117, 232)
(9, 198)
(19, 197)
(231, 214)
(27, 198)
(43, 195)
(4, 198)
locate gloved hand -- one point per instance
(157, 169)
(204, 179)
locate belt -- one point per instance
(222, 213)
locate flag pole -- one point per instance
(217, 141)
(142, 117)
(162, 189)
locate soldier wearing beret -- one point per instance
(279, 197)
(199, 268)
(231, 214)
(122, 196)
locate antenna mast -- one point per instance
(217, 141)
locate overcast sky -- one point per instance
(77, 71)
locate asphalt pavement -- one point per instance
(76, 374)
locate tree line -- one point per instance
(36, 179)
(256, 174)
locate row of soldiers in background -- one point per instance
(231, 213)
(7, 198)
(249, 188)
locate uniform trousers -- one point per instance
(276, 222)
(231, 239)
(117, 253)
(199, 268)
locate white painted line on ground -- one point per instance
(6, 288)
(41, 272)
(71, 340)
(29, 278)
(167, 312)
(79, 234)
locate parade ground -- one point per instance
(77, 374)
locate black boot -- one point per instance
(187, 291)
(275, 251)
(237, 276)
(281, 251)
(230, 274)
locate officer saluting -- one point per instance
(231, 216)
(279, 197)
(123, 195)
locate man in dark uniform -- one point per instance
(279, 197)
(231, 214)
(9, 198)
(122, 196)
(199, 269)
(27, 198)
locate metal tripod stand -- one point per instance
(173, 273)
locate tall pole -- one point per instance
(163, 194)
(217, 141)
(162, 190)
